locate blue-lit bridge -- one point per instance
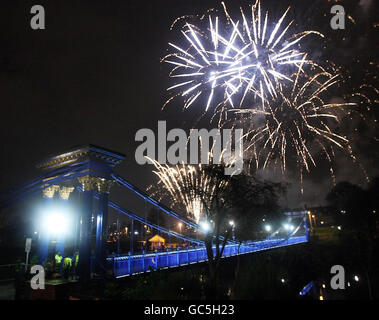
(85, 176)
(134, 264)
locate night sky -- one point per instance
(94, 76)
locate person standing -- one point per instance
(58, 263)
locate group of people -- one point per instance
(67, 266)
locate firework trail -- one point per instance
(296, 121)
(255, 68)
(180, 183)
(234, 63)
(190, 186)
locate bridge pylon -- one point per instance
(86, 171)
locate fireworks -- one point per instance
(298, 122)
(182, 184)
(254, 68)
(234, 62)
(190, 186)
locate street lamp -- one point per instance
(205, 226)
(310, 219)
(288, 227)
(231, 222)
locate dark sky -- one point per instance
(94, 76)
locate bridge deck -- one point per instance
(133, 264)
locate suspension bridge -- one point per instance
(81, 179)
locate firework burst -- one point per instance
(182, 183)
(298, 123)
(234, 62)
(194, 187)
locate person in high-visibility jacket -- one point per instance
(76, 257)
(67, 265)
(58, 262)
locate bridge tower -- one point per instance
(87, 171)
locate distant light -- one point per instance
(323, 285)
(205, 226)
(313, 216)
(282, 280)
(35, 232)
(288, 227)
(339, 227)
(231, 222)
(356, 278)
(321, 298)
(322, 222)
(348, 284)
(267, 227)
(135, 232)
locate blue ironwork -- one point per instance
(101, 232)
(158, 204)
(134, 264)
(132, 238)
(133, 216)
(85, 236)
(96, 162)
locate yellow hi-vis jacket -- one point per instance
(58, 259)
(76, 260)
(67, 262)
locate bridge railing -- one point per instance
(133, 264)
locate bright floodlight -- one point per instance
(267, 227)
(231, 222)
(56, 223)
(288, 227)
(205, 226)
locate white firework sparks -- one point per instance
(295, 122)
(234, 63)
